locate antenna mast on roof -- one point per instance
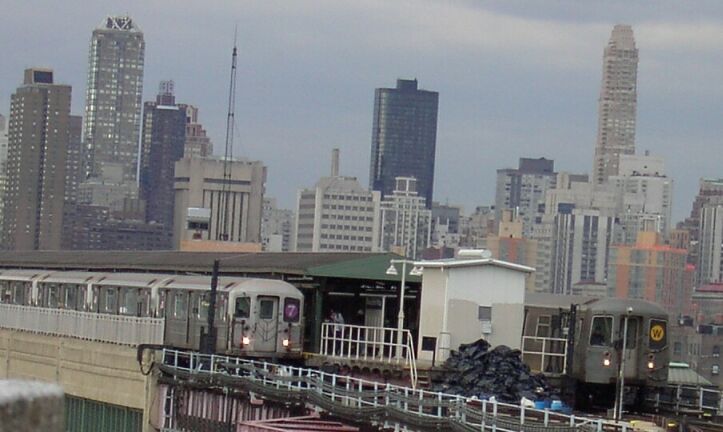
(223, 233)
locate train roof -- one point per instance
(150, 280)
(556, 300)
(136, 280)
(22, 275)
(597, 305)
(616, 305)
(69, 277)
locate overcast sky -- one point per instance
(516, 78)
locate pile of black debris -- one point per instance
(476, 371)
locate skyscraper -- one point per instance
(164, 136)
(113, 103)
(523, 190)
(406, 222)
(404, 136)
(38, 146)
(3, 163)
(198, 144)
(336, 215)
(617, 104)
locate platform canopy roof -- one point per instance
(367, 266)
(683, 374)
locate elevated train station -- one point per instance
(455, 301)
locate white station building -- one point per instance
(468, 298)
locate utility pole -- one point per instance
(208, 338)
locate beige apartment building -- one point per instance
(337, 215)
(205, 210)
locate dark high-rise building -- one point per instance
(38, 145)
(164, 136)
(113, 104)
(404, 136)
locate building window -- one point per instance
(715, 369)
(677, 348)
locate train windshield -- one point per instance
(601, 333)
(631, 340)
(243, 307)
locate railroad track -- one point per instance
(701, 426)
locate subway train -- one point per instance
(594, 352)
(254, 317)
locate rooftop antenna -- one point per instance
(223, 233)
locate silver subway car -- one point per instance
(599, 343)
(254, 317)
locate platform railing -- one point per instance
(545, 354)
(370, 344)
(123, 330)
(397, 406)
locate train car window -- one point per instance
(180, 305)
(52, 296)
(632, 336)
(143, 302)
(128, 301)
(292, 308)
(202, 306)
(109, 301)
(95, 305)
(221, 302)
(18, 292)
(162, 294)
(601, 333)
(266, 309)
(69, 291)
(7, 292)
(243, 307)
(543, 326)
(204, 301)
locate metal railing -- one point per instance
(124, 330)
(686, 398)
(545, 354)
(370, 344)
(374, 402)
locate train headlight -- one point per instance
(246, 340)
(285, 342)
(651, 365)
(606, 359)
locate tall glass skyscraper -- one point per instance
(113, 103)
(404, 137)
(617, 104)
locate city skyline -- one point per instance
(487, 108)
